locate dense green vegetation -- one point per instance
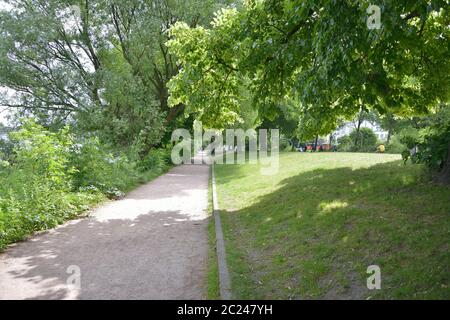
(317, 60)
(431, 139)
(312, 230)
(94, 89)
(99, 64)
(51, 177)
(363, 140)
(85, 84)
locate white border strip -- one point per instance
(224, 276)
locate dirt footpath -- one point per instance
(153, 244)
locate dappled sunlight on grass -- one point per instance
(312, 230)
(327, 207)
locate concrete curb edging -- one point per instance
(224, 276)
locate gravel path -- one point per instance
(153, 244)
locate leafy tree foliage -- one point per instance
(53, 176)
(99, 64)
(319, 53)
(362, 140)
(431, 143)
(44, 153)
(92, 76)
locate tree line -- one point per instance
(312, 64)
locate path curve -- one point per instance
(153, 244)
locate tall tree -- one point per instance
(320, 52)
(101, 64)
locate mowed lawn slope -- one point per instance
(312, 230)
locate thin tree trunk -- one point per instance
(358, 128)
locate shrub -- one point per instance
(432, 143)
(97, 167)
(344, 144)
(409, 137)
(53, 178)
(35, 189)
(284, 144)
(6, 150)
(38, 207)
(395, 145)
(43, 155)
(364, 141)
(156, 159)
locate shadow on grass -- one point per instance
(315, 236)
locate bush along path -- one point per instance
(152, 244)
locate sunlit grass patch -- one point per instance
(312, 230)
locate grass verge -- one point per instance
(213, 289)
(312, 230)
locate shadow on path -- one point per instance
(150, 245)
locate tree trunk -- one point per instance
(358, 127)
(315, 143)
(388, 137)
(444, 175)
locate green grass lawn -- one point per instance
(312, 230)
